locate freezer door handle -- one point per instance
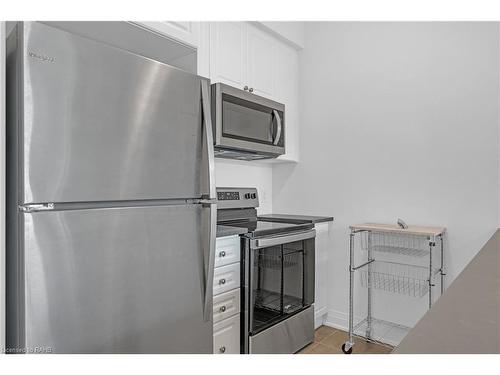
(209, 277)
(207, 124)
(36, 207)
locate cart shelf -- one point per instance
(390, 332)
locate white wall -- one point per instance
(235, 173)
(291, 31)
(398, 120)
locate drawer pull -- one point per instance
(222, 309)
(222, 254)
(222, 349)
(222, 281)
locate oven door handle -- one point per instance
(259, 243)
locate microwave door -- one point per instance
(247, 122)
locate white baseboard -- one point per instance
(320, 317)
(340, 320)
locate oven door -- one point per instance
(280, 279)
(247, 122)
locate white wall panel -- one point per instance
(398, 120)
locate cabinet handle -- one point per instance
(222, 309)
(245, 88)
(222, 349)
(250, 89)
(222, 254)
(222, 281)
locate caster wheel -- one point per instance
(349, 351)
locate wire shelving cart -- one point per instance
(402, 278)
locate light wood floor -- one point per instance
(329, 340)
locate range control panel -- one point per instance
(237, 198)
(228, 195)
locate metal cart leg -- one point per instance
(369, 310)
(432, 243)
(443, 273)
(347, 346)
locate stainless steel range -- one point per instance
(277, 276)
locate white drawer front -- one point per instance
(226, 278)
(226, 305)
(227, 336)
(227, 250)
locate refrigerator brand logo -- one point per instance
(42, 57)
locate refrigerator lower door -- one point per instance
(95, 116)
(119, 280)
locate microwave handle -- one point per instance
(278, 132)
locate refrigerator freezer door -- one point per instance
(119, 280)
(103, 124)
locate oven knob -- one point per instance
(247, 195)
(254, 195)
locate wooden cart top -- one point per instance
(394, 228)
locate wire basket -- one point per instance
(274, 261)
(404, 244)
(397, 278)
(272, 301)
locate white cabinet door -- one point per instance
(227, 336)
(185, 32)
(226, 278)
(261, 61)
(227, 250)
(226, 305)
(228, 53)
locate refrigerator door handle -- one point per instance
(209, 277)
(207, 122)
(210, 199)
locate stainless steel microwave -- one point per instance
(246, 126)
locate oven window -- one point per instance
(277, 284)
(247, 121)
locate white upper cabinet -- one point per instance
(243, 56)
(184, 32)
(261, 62)
(228, 53)
(248, 57)
(251, 56)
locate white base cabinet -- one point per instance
(227, 336)
(321, 272)
(226, 292)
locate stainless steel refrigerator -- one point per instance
(111, 212)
